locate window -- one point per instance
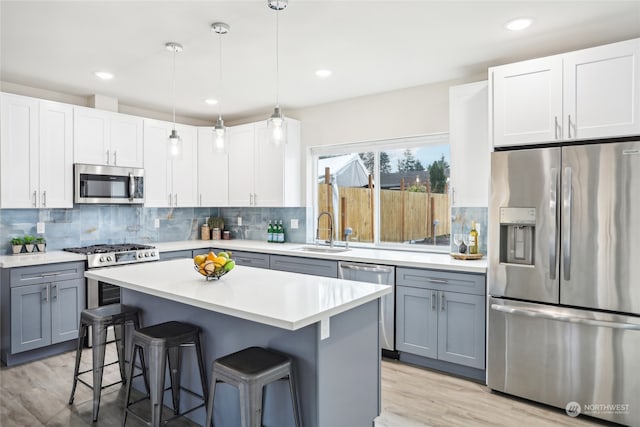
(385, 193)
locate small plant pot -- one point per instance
(42, 247)
(17, 248)
(29, 247)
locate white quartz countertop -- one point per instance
(286, 300)
(436, 261)
(53, 257)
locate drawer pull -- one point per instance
(441, 281)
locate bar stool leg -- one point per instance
(132, 357)
(99, 335)
(294, 397)
(158, 360)
(118, 331)
(174, 375)
(250, 405)
(203, 374)
(212, 392)
(81, 334)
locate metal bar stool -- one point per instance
(250, 370)
(117, 315)
(156, 344)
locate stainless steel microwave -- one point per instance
(96, 184)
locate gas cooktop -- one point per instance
(108, 255)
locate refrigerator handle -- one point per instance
(553, 210)
(545, 314)
(566, 234)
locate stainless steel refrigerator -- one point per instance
(564, 277)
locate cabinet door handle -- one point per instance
(175, 197)
(44, 199)
(453, 195)
(35, 199)
(108, 157)
(54, 292)
(46, 293)
(200, 199)
(170, 199)
(255, 199)
(115, 159)
(433, 301)
(250, 199)
(555, 127)
(569, 125)
(442, 301)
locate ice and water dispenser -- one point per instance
(517, 235)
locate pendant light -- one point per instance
(277, 124)
(175, 142)
(219, 129)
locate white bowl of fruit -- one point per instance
(214, 266)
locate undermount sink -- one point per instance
(323, 249)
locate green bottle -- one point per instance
(270, 233)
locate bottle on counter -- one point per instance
(270, 233)
(473, 239)
(280, 232)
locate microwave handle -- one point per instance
(132, 186)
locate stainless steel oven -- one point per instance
(108, 184)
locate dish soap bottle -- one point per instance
(473, 239)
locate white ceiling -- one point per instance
(371, 46)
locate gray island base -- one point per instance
(329, 326)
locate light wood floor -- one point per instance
(36, 394)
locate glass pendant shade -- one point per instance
(175, 144)
(219, 131)
(277, 126)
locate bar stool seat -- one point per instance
(100, 318)
(156, 344)
(250, 370)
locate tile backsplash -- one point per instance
(93, 224)
(461, 218)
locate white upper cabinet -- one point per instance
(170, 181)
(107, 138)
(213, 170)
(591, 93)
(260, 173)
(469, 144)
(36, 147)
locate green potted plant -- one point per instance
(17, 243)
(28, 243)
(41, 244)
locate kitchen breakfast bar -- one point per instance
(329, 327)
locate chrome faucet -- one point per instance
(330, 241)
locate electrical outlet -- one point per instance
(156, 223)
(294, 224)
(40, 227)
(239, 220)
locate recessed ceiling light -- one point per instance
(518, 24)
(323, 73)
(104, 75)
(211, 101)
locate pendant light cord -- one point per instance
(174, 87)
(220, 75)
(277, 58)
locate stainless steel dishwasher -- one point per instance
(382, 275)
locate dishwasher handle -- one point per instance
(366, 267)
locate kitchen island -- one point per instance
(329, 326)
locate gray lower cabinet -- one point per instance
(441, 315)
(312, 266)
(44, 306)
(250, 259)
(166, 256)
